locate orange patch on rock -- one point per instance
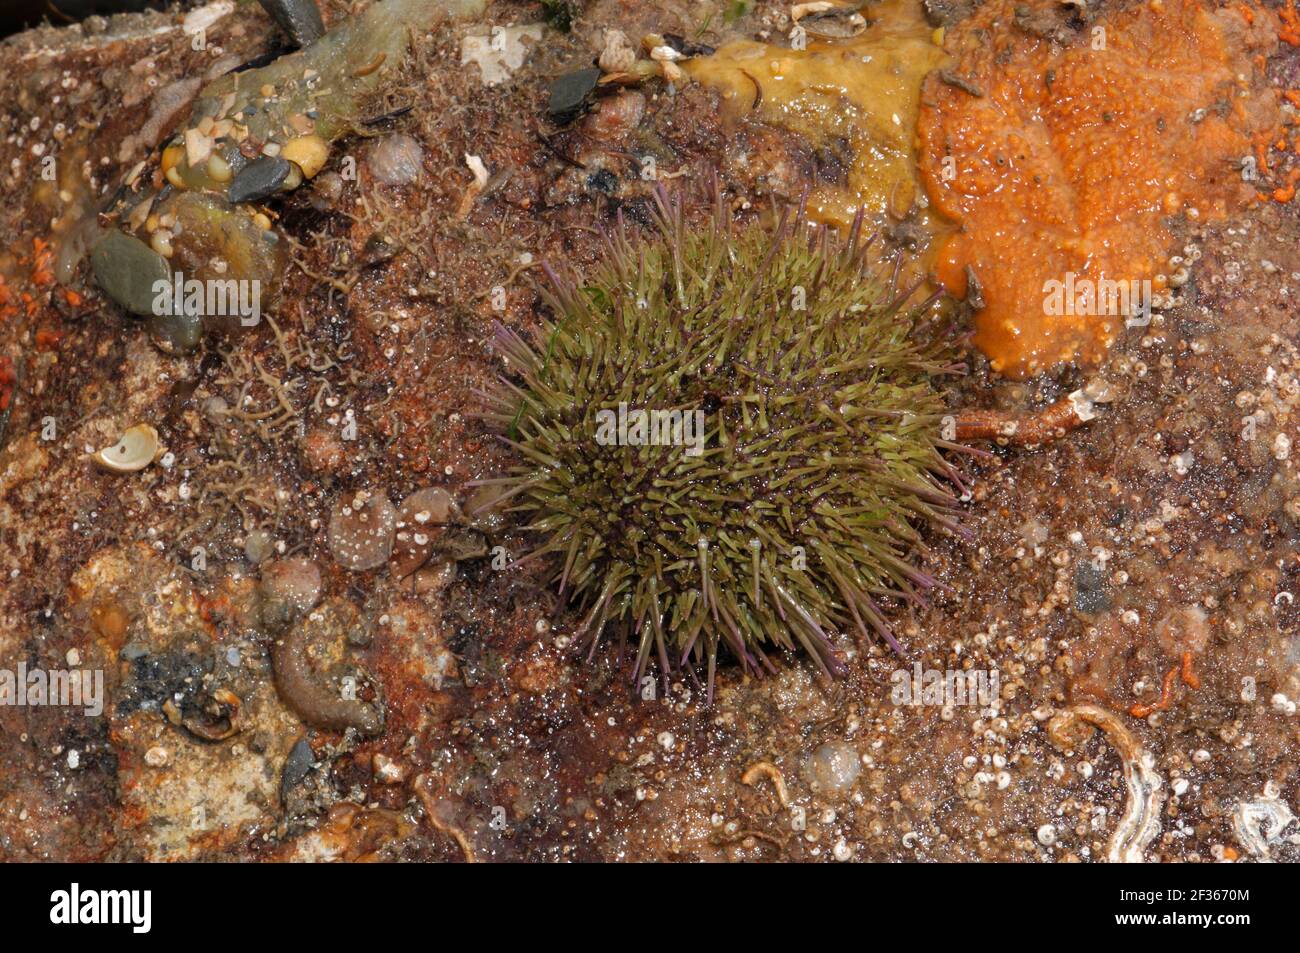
(8, 378)
(1073, 158)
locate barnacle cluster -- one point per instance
(794, 516)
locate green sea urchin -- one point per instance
(795, 506)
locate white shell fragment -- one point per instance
(618, 55)
(200, 19)
(1262, 824)
(479, 171)
(500, 52)
(801, 10)
(1082, 406)
(1140, 823)
(135, 450)
(665, 54)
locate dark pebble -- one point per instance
(299, 19)
(687, 47)
(176, 333)
(296, 767)
(1091, 601)
(1090, 589)
(569, 93)
(258, 180)
(126, 268)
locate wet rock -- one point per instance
(300, 102)
(1056, 23)
(224, 249)
(500, 52)
(396, 160)
(221, 67)
(323, 450)
(258, 547)
(289, 587)
(603, 180)
(833, 768)
(174, 675)
(362, 528)
(258, 180)
(835, 23)
(570, 92)
(483, 510)
(1034, 532)
(1184, 629)
(460, 543)
(432, 505)
(359, 635)
(614, 120)
(205, 16)
(299, 19)
(127, 269)
(215, 409)
(947, 12)
(435, 577)
(386, 770)
(168, 103)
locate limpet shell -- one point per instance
(134, 450)
(361, 530)
(396, 160)
(420, 522)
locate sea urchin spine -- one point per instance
(800, 501)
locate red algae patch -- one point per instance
(1066, 162)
